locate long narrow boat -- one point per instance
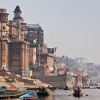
(77, 94)
(28, 96)
(2, 89)
(52, 88)
(6, 96)
(43, 93)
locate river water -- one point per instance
(93, 94)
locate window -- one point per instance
(1, 10)
(3, 27)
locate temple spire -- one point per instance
(17, 9)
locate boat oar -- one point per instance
(86, 94)
(70, 95)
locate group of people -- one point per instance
(77, 89)
(42, 89)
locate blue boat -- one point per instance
(11, 95)
(28, 95)
(2, 89)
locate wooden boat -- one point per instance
(11, 90)
(52, 88)
(13, 95)
(77, 94)
(28, 96)
(40, 93)
(93, 87)
(66, 88)
(98, 87)
(2, 89)
(30, 99)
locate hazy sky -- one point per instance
(73, 26)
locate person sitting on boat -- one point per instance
(75, 89)
(66, 87)
(43, 89)
(40, 89)
(79, 90)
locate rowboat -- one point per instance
(77, 94)
(30, 99)
(40, 93)
(66, 88)
(52, 88)
(28, 96)
(2, 89)
(10, 95)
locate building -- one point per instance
(22, 45)
(13, 48)
(35, 36)
(32, 56)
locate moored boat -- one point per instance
(28, 96)
(93, 87)
(52, 88)
(13, 95)
(2, 89)
(77, 94)
(66, 88)
(30, 99)
(40, 93)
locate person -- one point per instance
(75, 89)
(66, 87)
(40, 89)
(48, 86)
(43, 89)
(79, 90)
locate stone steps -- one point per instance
(21, 81)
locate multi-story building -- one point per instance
(32, 56)
(21, 44)
(36, 38)
(13, 47)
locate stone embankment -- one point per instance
(14, 80)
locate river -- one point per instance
(93, 94)
(59, 94)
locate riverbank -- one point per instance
(13, 80)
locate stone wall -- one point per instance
(55, 80)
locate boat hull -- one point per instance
(42, 93)
(77, 94)
(30, 99)
(6, 96)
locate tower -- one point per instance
(19, 20)
(4, 30)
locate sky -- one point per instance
(73, 26)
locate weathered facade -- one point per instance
(13, 49)
(32, 56)
(4, 31)
(36, 38)
(16, 38)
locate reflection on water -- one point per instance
(93, 94)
